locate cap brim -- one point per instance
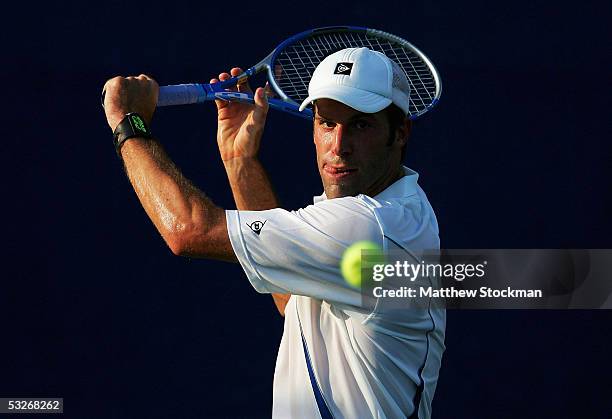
(361, 100)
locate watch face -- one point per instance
(138, 123)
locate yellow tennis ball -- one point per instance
(353, 266)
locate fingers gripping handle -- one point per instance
(181, 94)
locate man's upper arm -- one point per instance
(299, 252)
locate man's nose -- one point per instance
(342, 144)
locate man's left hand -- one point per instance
(240, 125)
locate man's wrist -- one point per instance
(131, 126)
(241, 159)
(236, 163)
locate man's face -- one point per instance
(354, 154)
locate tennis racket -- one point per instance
(290, 66)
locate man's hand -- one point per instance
(129, 94)
(240, 125)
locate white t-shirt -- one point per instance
(338, 358)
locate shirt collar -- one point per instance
(403, 187)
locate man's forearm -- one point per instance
(188, 221)
(253, 191)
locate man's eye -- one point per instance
(361, 124)
(326, 124)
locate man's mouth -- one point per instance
(339, 172)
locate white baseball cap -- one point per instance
(365, 80)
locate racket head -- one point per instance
(291, 65)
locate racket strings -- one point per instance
(295, 65)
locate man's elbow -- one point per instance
(199, 244)
(196, 239)
(184, 241)
(177, 246)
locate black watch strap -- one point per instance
(133, 125)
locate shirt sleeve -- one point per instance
(299, 252)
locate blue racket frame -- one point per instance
(198, 93)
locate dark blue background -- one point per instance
(95, 308)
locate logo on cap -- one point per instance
(343, 68)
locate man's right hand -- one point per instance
(123, 95)
(240, 125)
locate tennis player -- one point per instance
(338, 357)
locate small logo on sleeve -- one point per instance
(343, 68)
(256, 226)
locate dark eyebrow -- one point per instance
(318, 115)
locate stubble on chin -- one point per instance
(339, 190)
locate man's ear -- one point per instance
(403, 132)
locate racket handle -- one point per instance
(185, 94)
(181, 94)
